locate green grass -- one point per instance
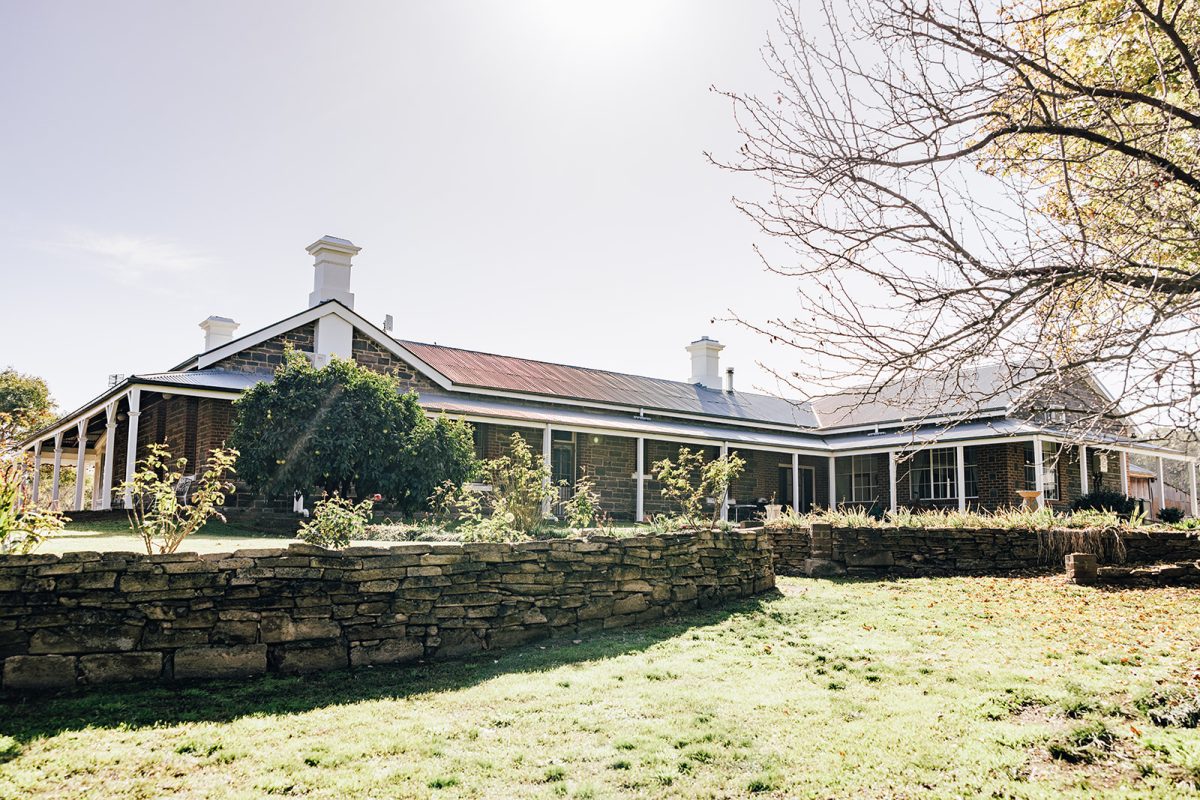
(114, 534)
(959, 687)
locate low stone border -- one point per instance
(825, 551)
(85, 619)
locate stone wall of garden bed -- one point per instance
(93, 618)
(965, 551)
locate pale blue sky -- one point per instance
(523, 177)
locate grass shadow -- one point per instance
(27, 718)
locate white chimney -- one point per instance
(729, 380)
(217, 331)
(331, 280)
(706, 358)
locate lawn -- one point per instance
(114, 535)
(1002, 687)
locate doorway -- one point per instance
(807, 490)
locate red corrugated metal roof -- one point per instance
(471, 368)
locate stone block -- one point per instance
(822, 568)
(386, 651)
(235, 632)
(385, 586)
(870, 558)
(120, 667)
(227, 661)
(302, 658)
(278, 628)
(84, 639)
(38, 673)
(631, 605)
(1081, 568)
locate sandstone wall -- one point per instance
(93, 618)
(954, 551)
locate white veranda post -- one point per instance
(546, 436)
(135, 410)
(37, 472)
(796, 482)
(80, 464)
(1162, 489)
(1039, 475)
(832, 483)
(56, 486)
(110, 452)
(960, 476)
(1083, 469)
(724, 499)
(640, 513)
(892, 499)
(1124, 463)
(1191, 465)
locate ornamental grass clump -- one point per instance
(165, 508)
(1032, 519)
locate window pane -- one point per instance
(1050, 469)
(1030, 468)
(970, 472)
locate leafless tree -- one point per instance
(959, 183)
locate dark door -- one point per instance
(784, 496)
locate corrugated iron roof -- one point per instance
(220, 379)
(471, 368)
(970, 391)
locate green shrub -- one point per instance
(688, 481)
(583, 509)
(348, 431)
(23, 526)
(1106, 500)
(165, 511)
(1170, 516)
(511, 508)
(335, 521)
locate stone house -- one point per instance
(878, 450)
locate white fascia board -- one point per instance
(1002, 438)
(892, 425)
(96, 407)
(936, 444)
(1132, 449)
(627, 433)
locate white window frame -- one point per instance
(941, 469)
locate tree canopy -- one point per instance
(959, 183)
(26, 399)
(347, 430)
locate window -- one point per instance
(971, 472)
(934, 474)
(856, 479)
(1050, 456)
(479, 435)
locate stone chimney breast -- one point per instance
(331, 265)
(218, 331)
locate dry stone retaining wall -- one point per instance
(94, 618)
(950, 551)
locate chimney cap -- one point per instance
(216, 320)
(335, 244)
(705, 343)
